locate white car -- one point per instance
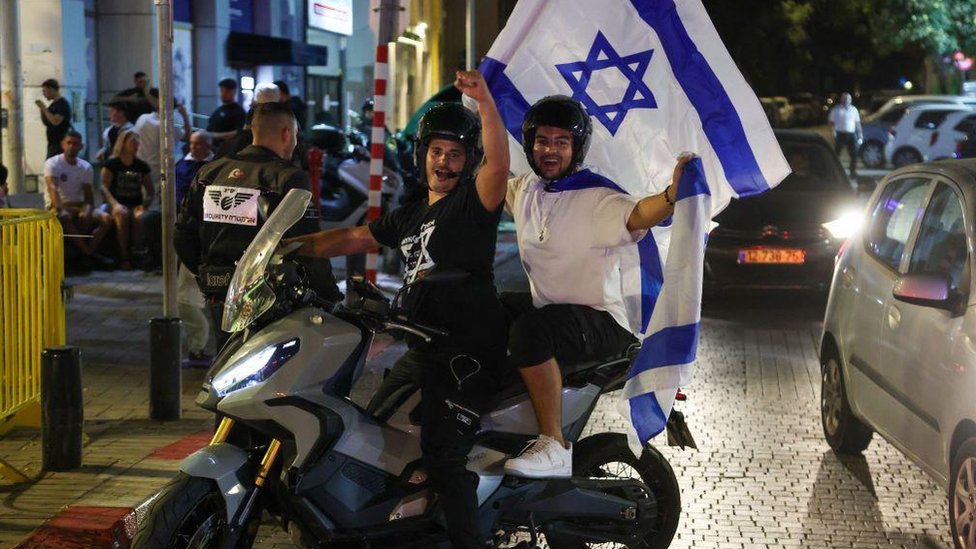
(914, 131)
(956, 127)
(898, 351)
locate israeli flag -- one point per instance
(657, 81)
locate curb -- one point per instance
(91, 527)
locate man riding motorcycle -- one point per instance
(456, 226)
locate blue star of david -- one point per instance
(603, 56)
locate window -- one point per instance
(940, 248)
(892, 218)
(894, 115)
(814, 166)
(930, 120)
(966, 125)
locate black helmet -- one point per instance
(558, 111)
(455, 122)
(368, 103)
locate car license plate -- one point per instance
(773, 255)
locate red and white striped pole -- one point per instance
(377, 145)
(389, 12)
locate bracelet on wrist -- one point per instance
(668, 198)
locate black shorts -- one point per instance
(568, 333)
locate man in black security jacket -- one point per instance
(230, 199)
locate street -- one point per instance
(763, 475)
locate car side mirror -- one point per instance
(925, 290)
(866, 185)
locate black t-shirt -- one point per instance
(55, 132)
(126, 184)
(138, 105)
(228, 117)
(456, 231)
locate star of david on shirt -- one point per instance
(602, 56)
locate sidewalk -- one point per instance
(126, 457)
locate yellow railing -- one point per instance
(31, 309)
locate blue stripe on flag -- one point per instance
(509, 100)
(647, 416)
(666, 347)
(652, 276)
(692, 181)
(719, 118)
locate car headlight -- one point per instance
(254, 368)
(845, 226)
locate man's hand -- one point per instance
(679, 167)
(40, 104)
(472, 84)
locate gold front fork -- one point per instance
(267, 462)
(223, 430)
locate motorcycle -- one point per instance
(334, 475)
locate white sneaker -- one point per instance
(544, 457)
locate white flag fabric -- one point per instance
(657, 81)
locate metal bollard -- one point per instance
(165, 375)
(62, 408)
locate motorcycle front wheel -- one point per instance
(189, 513)
(607, 455)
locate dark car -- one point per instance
(786, 238)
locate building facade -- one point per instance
(323, 49)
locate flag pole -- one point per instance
(389, 12)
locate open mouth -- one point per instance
(443, 174)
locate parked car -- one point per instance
(806, 109)
(914, 132)
(877, 125)
(897, 352)
(786, 238)
(948, 136)
(785, 110)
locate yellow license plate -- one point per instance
(773, 255)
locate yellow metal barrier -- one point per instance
(31, 310)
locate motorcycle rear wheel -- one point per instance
(189, 513)
(607, 455)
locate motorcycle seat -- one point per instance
(572, 372)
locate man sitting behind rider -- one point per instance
(578, 244)
(456, 226)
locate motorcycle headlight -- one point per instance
(254, 368)
(845, 226)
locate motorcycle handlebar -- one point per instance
(407, 328)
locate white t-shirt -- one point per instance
(148, 127)
(69, 179)
(576, 248)
(845, 119)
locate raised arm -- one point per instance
(492, 178)
(654, 209)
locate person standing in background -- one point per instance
(140, 99)
(294, 103)
(846, 122)
(119, 122)
(229, 116)
(56, 116)
(189, 298)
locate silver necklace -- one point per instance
(544, 219)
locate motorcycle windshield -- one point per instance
(249, 295)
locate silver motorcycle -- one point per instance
(293, 444)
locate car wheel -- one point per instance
(844, 433)
(872, 154)
(904, 157)
(962, 496)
